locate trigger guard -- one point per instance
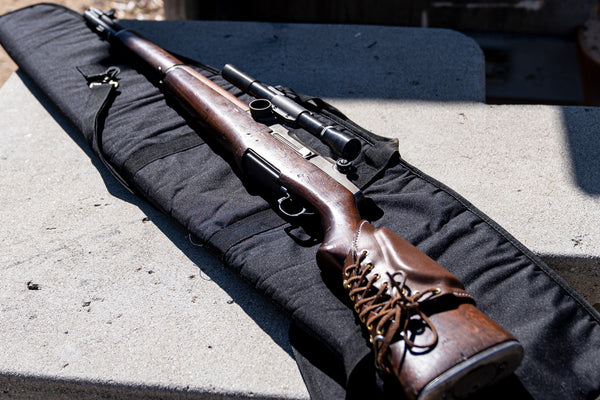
(287, 198)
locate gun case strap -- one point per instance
(250, 226)
(103, 84)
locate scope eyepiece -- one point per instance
(342, 144)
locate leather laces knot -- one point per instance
(390, 310)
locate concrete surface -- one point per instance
(102, 296)
(533, 169)
(349, 61)
(530, 69)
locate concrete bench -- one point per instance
(103, 296)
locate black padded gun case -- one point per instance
(147, 144)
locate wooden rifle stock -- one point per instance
(423, 325)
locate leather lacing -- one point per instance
(386, 312)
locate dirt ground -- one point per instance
(130, 9)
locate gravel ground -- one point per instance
(130, 9)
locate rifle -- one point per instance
(424, 327)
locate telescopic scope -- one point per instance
(341, 143)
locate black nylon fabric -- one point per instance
(558, 329)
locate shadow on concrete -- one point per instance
(583, 141)
(351, 61)
(71, 388)
(266, 316)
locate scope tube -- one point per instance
(341, 143)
